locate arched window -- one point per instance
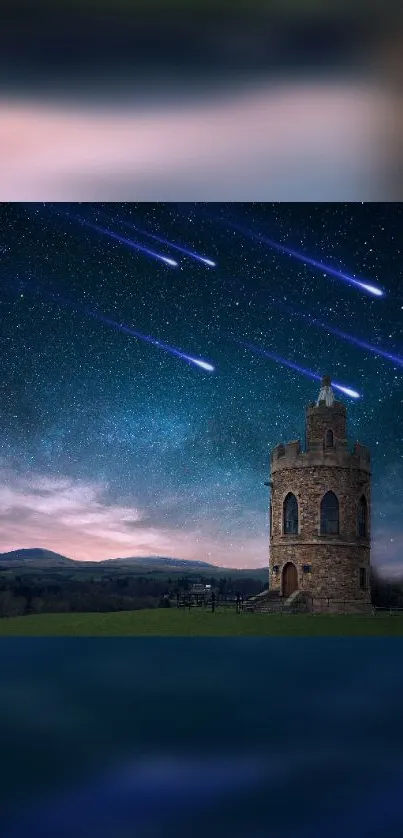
(290, 515)
(329, 439)
(329, 514)
(362, 517)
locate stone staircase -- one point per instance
(270, 602)
(263, 603)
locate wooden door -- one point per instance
(290, 579)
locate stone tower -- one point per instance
(320, 511)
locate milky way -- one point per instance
(131, 420)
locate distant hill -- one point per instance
(35, 556)
(161, 561)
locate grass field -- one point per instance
(182, 623)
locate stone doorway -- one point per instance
(289, 579)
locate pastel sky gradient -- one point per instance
(78, 520)
(229, 146)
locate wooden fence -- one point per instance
(210, 602)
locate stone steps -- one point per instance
(266, 603)
(300, 603)
(272, 602)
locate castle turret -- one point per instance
(320, 510)
(326, 421)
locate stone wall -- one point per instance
(309, 485)
(334, 560)
(334, 569)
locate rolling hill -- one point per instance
(161, 561)
(39, 558)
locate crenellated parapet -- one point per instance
(286, 452)
(291, 456)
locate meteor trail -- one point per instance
(396, 359)
(134, 245)
(165, 346)
(178, 247)
(198, 362)
(364, 286)
(259, 351)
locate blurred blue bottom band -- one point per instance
(245, 737)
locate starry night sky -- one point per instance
(112, 446)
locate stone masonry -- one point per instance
(328, 566)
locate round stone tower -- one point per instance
(320, 511)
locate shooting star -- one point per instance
(396, 359)
(172, 350)
(134, 245)
(259, 351)
(190, 253)
(327, 269)
(204, 365)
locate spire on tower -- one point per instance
(326, 393)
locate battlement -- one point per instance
(289, 451)
(291, 456)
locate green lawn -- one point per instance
(178, 622)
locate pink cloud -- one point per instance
(79, 520)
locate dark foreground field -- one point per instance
(182, 623)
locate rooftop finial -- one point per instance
(326, 393)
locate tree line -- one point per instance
(35, 593)
(48, 592)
